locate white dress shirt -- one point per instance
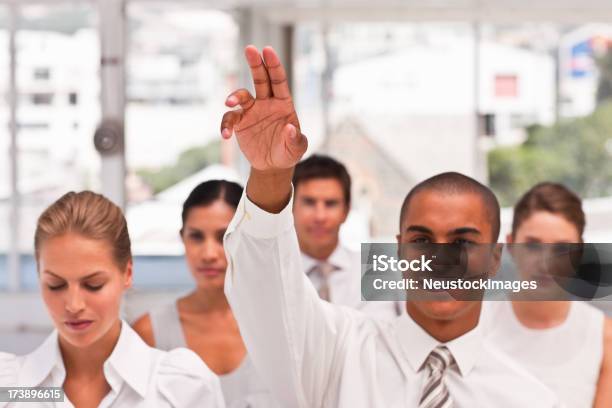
(345, 283)
(567, 358)
(316, 354)
(139, 376)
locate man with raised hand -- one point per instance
(315, 354)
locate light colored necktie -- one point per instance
(435, 394)
(323, 270)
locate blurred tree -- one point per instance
(189, 162)
(576, 153)
(604, 87)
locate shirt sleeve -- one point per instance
(9, 372)
(185, 381)
(295, 340)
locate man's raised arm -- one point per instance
(291, 335)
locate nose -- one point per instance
(547, 257)
(320, 211)
(209, 250)
(75, 303)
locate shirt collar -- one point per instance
(416, 345)
(130, 362)
(340, 258)
(38, 365)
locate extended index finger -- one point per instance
(278, 76)
(259, 73)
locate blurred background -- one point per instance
(511, 92)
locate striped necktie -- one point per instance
(435, 394)
(323, 270)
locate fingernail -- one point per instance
(293, 133)
(232, 100)
(225, 133)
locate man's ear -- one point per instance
(347, 210)
(496, 257)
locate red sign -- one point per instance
(506, 86)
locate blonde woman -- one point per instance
(567, 345)
(84, 261)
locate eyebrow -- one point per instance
(419, 228)
(91, 275)
(466, 230)
(456, 231)
(314, 198)
(193, 229)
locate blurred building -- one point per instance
(58, 104)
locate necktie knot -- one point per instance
(435, 394)
(439, 359)
(323, 269)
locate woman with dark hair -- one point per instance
(84, 261)
(567, 345)
(203, 320)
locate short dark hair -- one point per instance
(319, 166)
(457, 183)
(210, 191)
(554, 198)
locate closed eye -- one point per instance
(57, 287)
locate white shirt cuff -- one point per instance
(259, 223)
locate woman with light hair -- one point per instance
(566, 344)
(84, 261)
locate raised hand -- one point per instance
(267, 127)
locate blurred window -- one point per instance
(182, 63)
(42, 73)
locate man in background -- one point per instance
(321, 205)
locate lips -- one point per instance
(78, 325)
(319, 233)
(210, 272)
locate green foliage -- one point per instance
(189, 162)
(576, 153)
(604, 88)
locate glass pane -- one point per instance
(182, 64)
(531, 103)
(59, 90)
(378, 97)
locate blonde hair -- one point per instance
(90, 215)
